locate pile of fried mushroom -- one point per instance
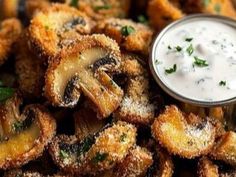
(77, 97)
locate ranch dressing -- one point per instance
(197, 60)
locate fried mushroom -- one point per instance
(136, 106)
(188, 136)
(10, 30)
(23, 135)
(133, 37)
(82, 69)
(225, 148)
(29, 69)
(21, 8)
(135, 164)
(101, 9)
(95, 153)
(206, 168)
(87, 123)
(57, 27)
(162, 12)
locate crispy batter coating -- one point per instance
(133, 37)
(87, 61)
(101, 9)
(221, 7)
(162, 12)
(33, 130)
(10, 30)
(21, 8)
(87, 123)
(57, 27)
(225, 148)
(207, 168)
(135, 163)
(188, 136)
(94, 154)
(29, 69)
(136, 106)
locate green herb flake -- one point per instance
(85, 146)
(188, 39)
(178, 48)
(190, 50)
(217, 8)
(104, 7)
(63, 154)
(123, 137)
(171, 70)
(169, 47)
(206, 2)
(157, 62)
(74, 3)
(127, 30)
(142, 19)
(222, 83)
(6, 93)
(18, 126)
(200, 62)
(99, 157)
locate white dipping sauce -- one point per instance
(198, 60)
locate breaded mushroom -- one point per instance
(225, 148)
(163, 12)
(84, 69)
(29, 69)
(135, 164)
(57, 27)
(10, 30)
(133, 37)
(101, 9)
(22, 9)
(23, 135)
(206, 168)
(188, 136)
(95, 153)
(136, 106)
(220, 7)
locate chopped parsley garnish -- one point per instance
(17, 126)
(99, 157)
(157, 62)
(123, 137)
(85, 145)
(74, 3)
(6, 93)
(63, 154)
(217, 8)
(188, 39)
(127, 30)
(104, 7)
(222, 83)
(206, 2)
(178, 48)
(200, 62)
(171, 70)
(190, 49)
(142, 19)
(169, 47)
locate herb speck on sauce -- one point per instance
(200, 62)
(158, 62)
(178, 48)
(169, 47)
(222, 83)
(190, 50)
(188, 39)
(171, 70)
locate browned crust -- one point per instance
(166, 165)
(43, 36)
(137, 41)
(225, 148)
(207, 168)
(48, 127)
(86, 42)
(8, 9)
(9, 32)
(180, 134)
(162, 12)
